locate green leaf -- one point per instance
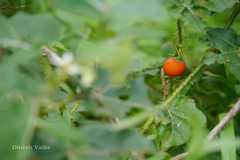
(216, 5)
(225, 40)
(44, 27)
(228, 153)
(228, 41)
(26, 28)
(19, 129)
(115, 107)
(16, 81)
(211, 59)
(60, 128)
(102, 137)
(123, 15)
(232, 64)
(139, 92)
(77, 14)
(76, 7)
(118, 101)
(182, 115)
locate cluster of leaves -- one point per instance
(116, 106)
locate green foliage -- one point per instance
(181, 115)
(226, 152)
(100, 92)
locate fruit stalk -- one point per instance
(181, 87)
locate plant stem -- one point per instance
(170, 99)
(147, 124)
(132, 121)
(181, 87)
(235, 12)
(165, 85)
(179, 37)
(180, 156)
(226, 119)
(179, 28)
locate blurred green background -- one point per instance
(113, 42)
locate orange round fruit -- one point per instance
(173, 67)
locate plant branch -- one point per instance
(170, 99)
(226, 119)
(179, 28)
(180, 156)
(13, 7)
(132, 121)
(235, 12)
(217, 129)
(165, 85)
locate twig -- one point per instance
(132, 121)
(180, 156)
(226, 119)
(235, 12)
(217, 129)
(13, 7)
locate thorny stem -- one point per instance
(165, 85)
(179, 28)
(181, 87)
(179, 37)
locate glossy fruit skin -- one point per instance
(173, 67)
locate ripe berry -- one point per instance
(173, 67)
